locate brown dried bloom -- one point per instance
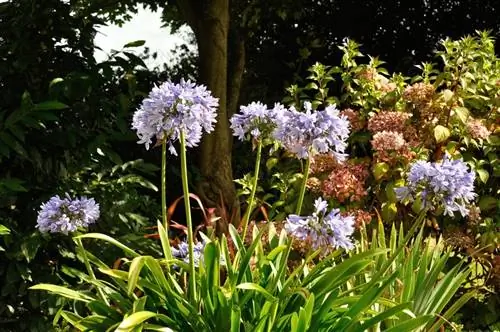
(360, 217)
(367, 73)
(313, 184)
(474, 216)
(357, 123)
(391, 147)
(419, 94)
(388, 121)
(388, 140)
(477, 129)
(346, 183)
(387, 87)
(322, 163)
(457, 237)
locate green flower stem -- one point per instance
(246, 218)
(303, 188)
(166, 247)
(164, 185)
(89, 269)
(187, 205)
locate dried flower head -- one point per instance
(323, 230)
(172, 108)
(346, 183)
(66, 215)
(355, 120)
(474, 216)
(459, 238)
(322, 163)
(368, 74)
(313, 184)
(388, 140)
(361, 217)
(389, 121)
(477, 129)
(309, 133)
(419, 94)
(448, 184)
(391, 147)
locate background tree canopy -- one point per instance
(65, 119)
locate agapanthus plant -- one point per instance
(448, 184)
(182, 251)
(308, 133)
(255, 121)
(176, 112)
(171, 108)
(67, 215)
(328, 230)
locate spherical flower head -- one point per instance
(308, 133)
(388, 121)
(171, 108)
(448, 184)
(66, 215)
(388, 140)
(322, 229)
(182, 251)
(419, 93)
(477, 129)
(254, 120)
(355, 120)
(346, 183)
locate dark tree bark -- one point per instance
(210, 21)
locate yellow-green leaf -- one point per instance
(441, 133)
(134, 320)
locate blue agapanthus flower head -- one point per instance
(182, 251)
(255, 120)
(322, 229)
(309, 133)
(66, 215)
(171, 108)
(448, 184)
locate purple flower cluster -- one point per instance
(255, 120)
(182, 251)
(66, 215)
(448, 184)
(172, 108)
(310, 133)
(322, 229)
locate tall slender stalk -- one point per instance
(187, 205)
(166, 246)
(246, 218)
(79, 244)
(303, 188)
(164, 185)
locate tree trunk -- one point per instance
(209, 20)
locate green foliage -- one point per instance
(259, 287)
(453, 107)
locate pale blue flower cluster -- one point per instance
(171, 108)
(448, 184)
(255, 120)
(307, 133)
(322, 229)
(182, 251)
(66, 215)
